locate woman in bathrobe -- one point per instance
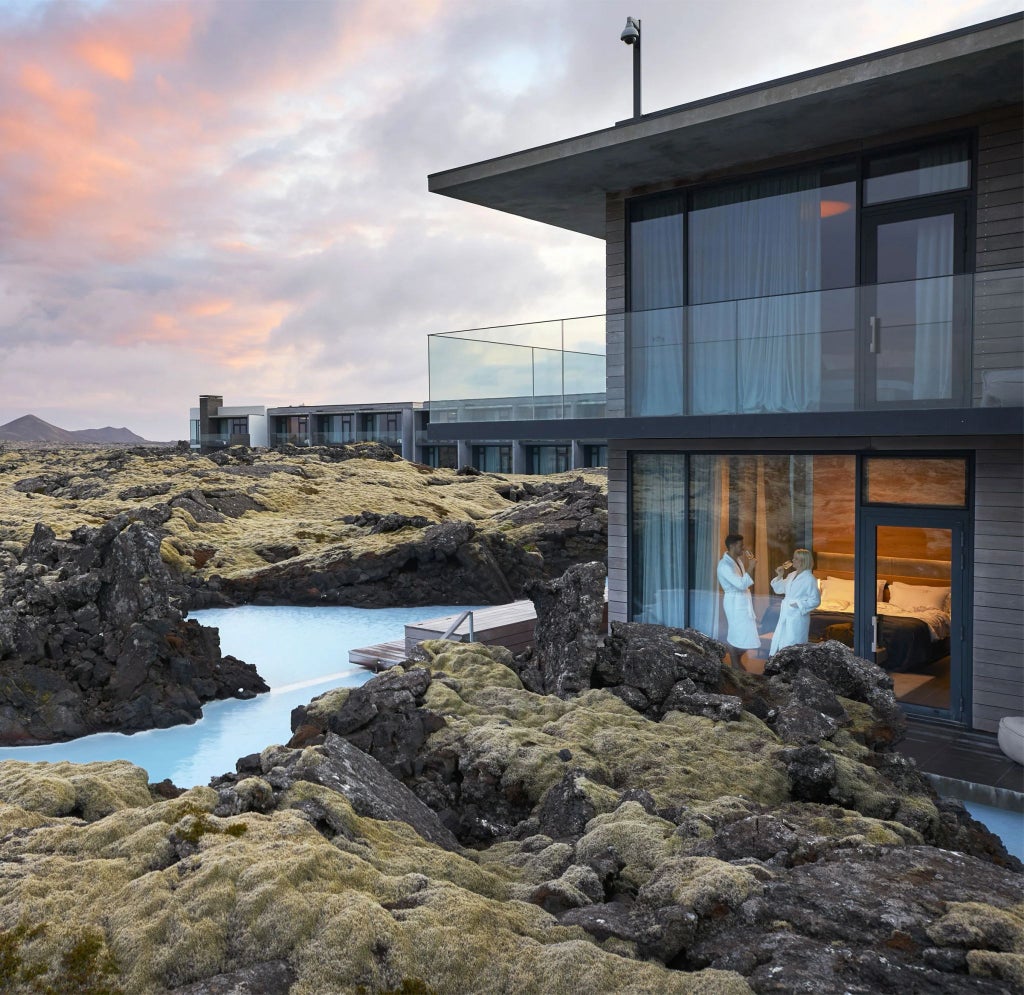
(800, 597)
(735, 574)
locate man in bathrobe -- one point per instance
(735, 574)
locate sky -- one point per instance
(230, 196)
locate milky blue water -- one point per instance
(1007, 825)
(300, 653)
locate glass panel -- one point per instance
(916, 480)
(658, 543)
(913, 616)
(542, 370)
(759, 253)
(654, 331)
(779, 504)
(914, 341)
(918, 173)
(773, 235)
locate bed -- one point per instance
(912, 605)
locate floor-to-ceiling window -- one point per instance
(793, 292)
(548, 459)
(658, 538)
(886, 537)
(493, 459)
(778, 503)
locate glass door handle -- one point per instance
(875, 327)
(874, 633)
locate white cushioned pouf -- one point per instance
(1011, 737)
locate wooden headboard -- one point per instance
(900, 568)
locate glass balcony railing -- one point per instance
(537, 371)
(950, 341)
(218, 440)
(386, 438)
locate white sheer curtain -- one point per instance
(941, 168)
(933, 335)
(656, 317)
(755, 264)
(710, 510)
(659, 538)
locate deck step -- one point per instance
(380, 656)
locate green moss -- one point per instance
(977, 925)
(474, 666)
(639, 840)
(83, 967)
(88, 791)
(327, 703)
(15, 973)
(702, 884)
(1002, 967)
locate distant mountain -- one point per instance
(108, 434)
(29, 428)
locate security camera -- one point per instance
(631, 32)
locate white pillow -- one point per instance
(837, 589)
(914, 597)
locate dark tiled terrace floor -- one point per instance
(965, 765)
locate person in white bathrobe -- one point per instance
(735, 574)
(800, 597)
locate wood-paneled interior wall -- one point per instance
(835, 494)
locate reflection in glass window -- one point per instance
(916, 480)
(548, 459)
(493, 459)
(918, 172)
(658, 526)
(777, 502)
(760, 253)
(656, 253)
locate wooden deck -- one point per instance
(380, 656)
(510, 625)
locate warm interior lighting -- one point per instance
(830, 208)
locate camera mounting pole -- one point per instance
(631, 36)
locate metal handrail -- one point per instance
(468, 613)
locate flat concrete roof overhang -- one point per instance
(564, 184)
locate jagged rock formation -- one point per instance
(447, 563)
(352, 525)
(513, 841)
(90, 640)
(549, 527)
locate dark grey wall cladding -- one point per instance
(998, 687)
(999, 255)
(618, 529)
